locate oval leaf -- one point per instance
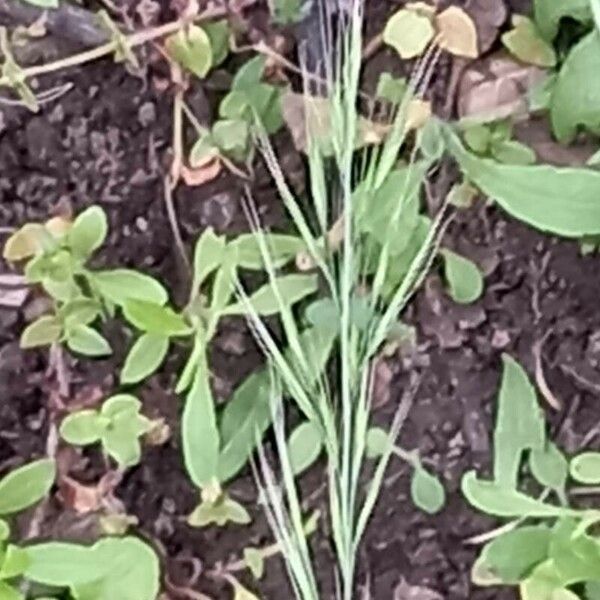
(87, 341)
(464, 278)
(199, 432)
(26, 485)
(282, 249)
(409, 33)
(378, 442)
(457, 32)
(512, 556)
(42, 332)
(82, 428)
(120, 285)
(144, 358)
(549, 466)
(88, 231)
(426, 491)
(585, 468)
(208, 256)
(304, 446)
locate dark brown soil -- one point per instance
(107, 141)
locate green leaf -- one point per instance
(224, 510)
(81, 311)
(218, 35)
(208, 256)
(291, 289)
(247, 415)
(548, 14)
(426, 491)
(203, 151)
(154, 318)
(88, 232)
(42, 332)
(536, 194)
(511, 152)
(392, 89)
(199, 431)
(549, 466)
(499, 501)
(87, 341)
(576, 96)
(120, 443)
(120, 285)
(577, 555)
(232, 137)
(82, 428)
(255, 562)
(511, 557)
(409, 33)
(26, 485)
(304, 446)
(378, 441)
(14, 562)
(526, 43)
(585, 468)
(144, 358)
(464, 278)
(119, 404)
(223, 287)
(8, 592)
(592, 590)
(191, 47)
(124, 568)
(287, 11)
(519, 423)
(4, 530)
(282, 249)
(324, 313)
(241, 593)
(250, 73)
(478, 138)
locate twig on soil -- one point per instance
(372, 47)
(133, 40)
(43, 97)
(540, 378)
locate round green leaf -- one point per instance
(88, 231)
(549, 466)
(232, 136)
(123, 448)
(42, 332)
(426, 491)
(409, 33)
(191, 48)
(378, 442)
(82, 428)
(81, 311)
(14, 562)
(145, 356)
(203, 151)
(304, 446)
(26, 485)
(585, 468)
(464, 278)
(87, 341)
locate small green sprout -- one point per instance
(118, 426)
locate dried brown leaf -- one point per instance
(201, 175)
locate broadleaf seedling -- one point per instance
(545, 560)
(427, 492)
(118, 425)
(56, 254)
